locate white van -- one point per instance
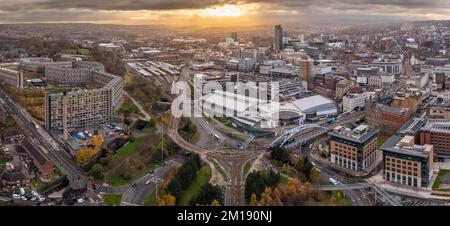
(333, 181)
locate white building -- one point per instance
(352, 101)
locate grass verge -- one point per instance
(203, 177)
(113, 199)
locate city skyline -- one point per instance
(222, 13)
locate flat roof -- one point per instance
(437, 125)
(394, 110)
(307, 103)
(354, 137)
(391, 146)
(412, 126)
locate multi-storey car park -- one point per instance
(81, 107)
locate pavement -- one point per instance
(139, 106)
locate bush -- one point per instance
(207, 195)
(256, 182)
(96, 172)
(280, 154)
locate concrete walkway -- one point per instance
(135, 102)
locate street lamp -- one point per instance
(156, 174)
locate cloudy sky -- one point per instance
(218, 12)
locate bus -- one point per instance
(217, 137)
(332, 181)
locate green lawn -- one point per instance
(437, 182)
(10, 122)
(129, 107)
(380, 140)
(113, 199)
(58, 89)
(247, 167)
(235, 137)
(118, 181)
(126, 151)
(122, 153)
(225, 121)
(4, 159)
(284, 180)
(195, 138)
(220, 169)
(151, 198)
(340, 199)
(203, 177)
(79, 51)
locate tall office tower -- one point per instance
(278, 37)
(234, 36)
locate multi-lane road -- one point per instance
(136, 194)
(233, 163)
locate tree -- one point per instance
(215, 203)
(166, 200)
(253, 200)
(207, 194)
(304, 168)
(280, 154)
(307, 170)
(314, 176)
(96, 172)
(185, 176)
(258, 181)
(299, 165)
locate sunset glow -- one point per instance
(223, 11)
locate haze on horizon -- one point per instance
(219, 13)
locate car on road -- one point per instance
(332, 181)
(95, 186)
(147, 182)
(133, 185)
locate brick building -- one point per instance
(406, 163)
(44, 166)
(396, 115)
(437, 133)
(354, 149)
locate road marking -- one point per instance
(130, 204)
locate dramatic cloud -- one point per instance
(129, 11)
